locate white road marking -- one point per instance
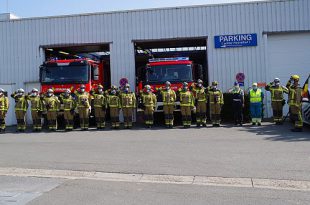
(222, 181)
(279, 184)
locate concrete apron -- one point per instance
(279, 184)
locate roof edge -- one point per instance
(148, 9)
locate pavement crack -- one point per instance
(194, 177)
(252, 183)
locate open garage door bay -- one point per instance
(95, 51)
(193, 48)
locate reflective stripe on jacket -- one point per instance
(99, 100)
(52, 103)
(200, 94)
(69, 103)
(149, 99)
(21, 103)
(128, 100)
(4, 103)
(114, 101)
(36, 103)
(83, 100)
(277, 93)
(295, 96)
(216, 97)
(187, 99)
(169, 97)
(256, 96)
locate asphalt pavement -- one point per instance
(267, 152)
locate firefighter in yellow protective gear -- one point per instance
(277, 99)
(200, 94)
(52, 106)
(69, 104)
(295, 102)
(114, 104)
(149, 101)
(4, 106)
(128, 103)
(169, 98)
(37, 108)
(187, 103)
(100, 106)
(21, 106)
(216, 100)
(83, 104)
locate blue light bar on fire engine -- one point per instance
(168, 59)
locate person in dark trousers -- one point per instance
(237, 103)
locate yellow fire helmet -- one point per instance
(295, 77)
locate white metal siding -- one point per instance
(288, 54)
(20, 39)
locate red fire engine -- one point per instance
(175, 70)
(70, 74)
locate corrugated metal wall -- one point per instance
(20, 39)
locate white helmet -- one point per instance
(20, 90)
(1, 90)
(148, 87)
(34, 90)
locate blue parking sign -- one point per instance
(235, 41)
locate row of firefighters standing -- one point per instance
(194, 99)
(51, 104)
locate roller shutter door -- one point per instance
(287, 54)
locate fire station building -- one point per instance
(255, 41)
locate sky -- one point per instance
(37, 8)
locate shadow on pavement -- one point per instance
(268, 130)
(279, 132)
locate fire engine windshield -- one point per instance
(64, 74)
(172, 73)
